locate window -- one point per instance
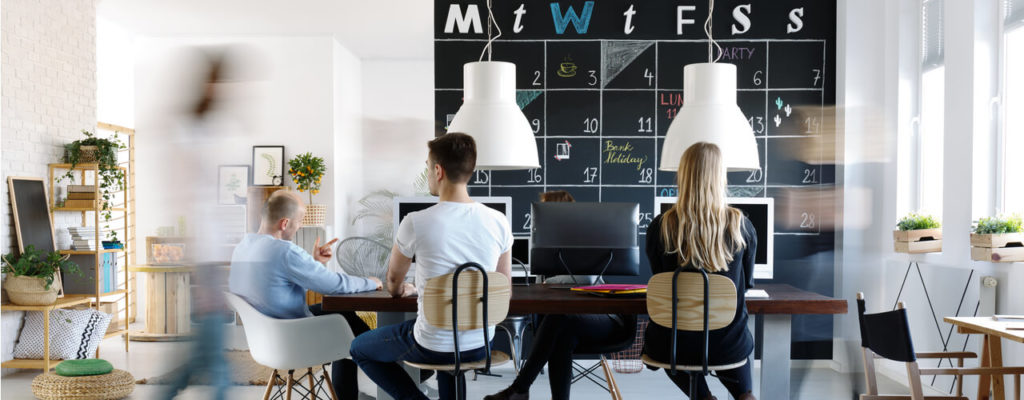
(1012, 146)
(931, 108)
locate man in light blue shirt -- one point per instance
(273, 274)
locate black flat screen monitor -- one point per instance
(585, 239)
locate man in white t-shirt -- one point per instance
(455, 231)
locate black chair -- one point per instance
(887, 335)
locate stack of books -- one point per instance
(81, 196)
(83, 238)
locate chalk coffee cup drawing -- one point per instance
(567, 70)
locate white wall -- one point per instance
(283, 95)
(48, 74)
(348, 137)
(398, 120)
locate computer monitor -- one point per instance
(405, 205)
(761, 212)
(585, 239)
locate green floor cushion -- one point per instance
(85, 367)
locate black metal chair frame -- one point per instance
(458, 372)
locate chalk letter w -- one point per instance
(580, 22)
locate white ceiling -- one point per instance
(369, 28)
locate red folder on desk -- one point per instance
(613, 289)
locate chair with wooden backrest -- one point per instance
(887, 335)
(693, 302)
(294, 344)
(467, 300)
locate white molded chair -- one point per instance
(294, 344)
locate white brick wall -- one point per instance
(47, 95)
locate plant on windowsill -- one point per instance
(103, 152)
(307, 171)
(998, 239)
(917, 233)
(30, 277)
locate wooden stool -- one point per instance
(116, 385)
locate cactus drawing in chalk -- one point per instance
(270, 164)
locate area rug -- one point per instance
(244, 371)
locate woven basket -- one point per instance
(87, 154)
(115, 385)
(316, 215)
(30, 291)
(628, 361)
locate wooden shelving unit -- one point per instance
(123, 203)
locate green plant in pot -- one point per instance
(103, 152)
(30, 276)
(307, 171)
(998, 239)
(918, 233)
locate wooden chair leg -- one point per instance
(291, 382)
(312, 385)
(270, 384)
(960, 379)
(330, 386)
(613, 387)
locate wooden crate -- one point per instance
(918, 241)
(1003, 247)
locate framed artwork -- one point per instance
(232, 184)
(267, 165)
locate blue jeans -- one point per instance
(379, 352)
(206, 358)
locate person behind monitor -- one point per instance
(702, 231)
(558, 336)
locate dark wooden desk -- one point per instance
(539, 299)
(777, 310)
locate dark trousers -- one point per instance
(380, 351)
(736, 381)
(344, 373)
(554, 343)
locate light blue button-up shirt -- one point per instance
(273, 275)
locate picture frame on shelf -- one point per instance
(267, 165)
(233, 184)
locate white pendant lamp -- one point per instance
(490, 114)
(710, 114)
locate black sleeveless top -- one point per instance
(726, 345)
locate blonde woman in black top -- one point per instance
(702, 231)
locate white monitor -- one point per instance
(761, 212)
(405, 205)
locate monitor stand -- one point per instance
(600, 276)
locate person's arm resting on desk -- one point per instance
(397, 268)
(308, 273)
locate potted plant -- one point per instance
(917, 233)
(30, 277)
(998, 239)
(307, 171)
(110, 177)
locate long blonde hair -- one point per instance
(700, 228)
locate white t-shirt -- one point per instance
(443, 237)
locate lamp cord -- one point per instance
(490, 39)
(707, 31)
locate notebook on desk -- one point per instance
(616, 290)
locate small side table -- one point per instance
(168, 303)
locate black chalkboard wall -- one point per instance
(32, 215)
(601, 83)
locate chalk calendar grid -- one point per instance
(600, 110)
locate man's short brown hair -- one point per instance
(281, 204)
(556, 196)
(456, 153)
